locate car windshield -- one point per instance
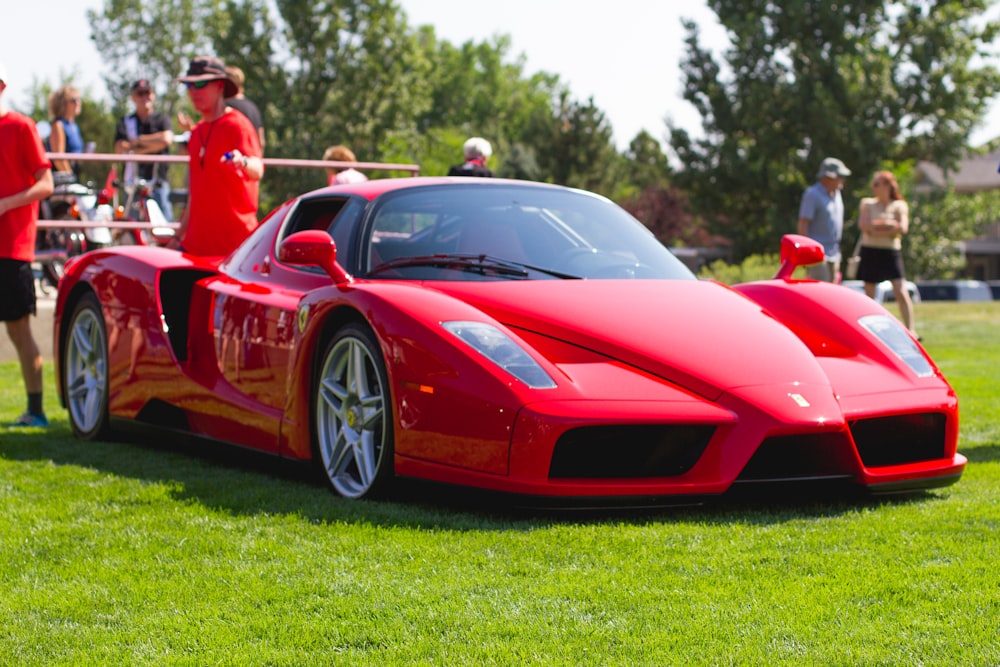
(510, 232)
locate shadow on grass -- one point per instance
(981, 453)
(241, 481)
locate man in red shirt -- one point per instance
(25, 178)
(225, 166)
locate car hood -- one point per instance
(698, 334)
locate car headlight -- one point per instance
(892, 334)
(496, 346)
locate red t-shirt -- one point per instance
(21, 155)
(222, 201)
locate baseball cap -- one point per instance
(141, 84)
(833, 168)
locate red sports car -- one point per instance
(506, 335)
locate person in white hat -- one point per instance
(821, 216)
(25, 179)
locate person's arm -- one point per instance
(152, 143)
(40, 189)
(904, 218)
(864, 219)
(57, 144)
(807, 211)
(184, 122)
(251, 166)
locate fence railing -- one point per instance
(411, 169)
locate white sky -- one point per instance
(625, 54)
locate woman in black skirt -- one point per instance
(883, 220)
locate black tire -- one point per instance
(85, 369)
(352, 415)
(52, 273)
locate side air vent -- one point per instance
(886, 441)
(175, 299)
(607, 452)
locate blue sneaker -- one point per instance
(32, 420)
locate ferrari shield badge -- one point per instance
(303, 317)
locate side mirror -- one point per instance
(796, 251)
(313, 247)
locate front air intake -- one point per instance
(803, 457)
(899, 439)
(636, 451)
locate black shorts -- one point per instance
(878, 264)
(17, 296)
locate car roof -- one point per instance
(373, 188)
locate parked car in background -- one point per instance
(955, 290)
(883, 290)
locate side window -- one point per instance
(315, 214)
(343, 226)
(338, 216)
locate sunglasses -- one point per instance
(198, 85)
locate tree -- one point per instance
(645, 192)
(573, 146)
(154, 40)
(940, 220)
(864, 81)
(354, 72)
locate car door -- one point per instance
(252, 306)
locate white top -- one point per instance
(876, 213)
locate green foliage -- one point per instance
(575, 148)
(754, 267)
(164, 551)
(863, 81)
(939, 222)
(151, 39)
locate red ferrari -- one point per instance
(505, 335)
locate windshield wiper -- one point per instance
(482, 264)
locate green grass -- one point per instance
(151, 552)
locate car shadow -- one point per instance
(247, 482)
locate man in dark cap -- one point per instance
(225, 166)
(146, 132)
(821, 216)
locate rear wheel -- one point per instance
(353, 415)
(85, 369)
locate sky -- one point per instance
(625, 54)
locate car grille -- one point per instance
(629, 451)
(886, 441)
(800, 457)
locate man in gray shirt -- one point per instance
(821, 216)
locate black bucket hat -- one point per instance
(206, 68)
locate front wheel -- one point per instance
(353, 415)
(85, 369)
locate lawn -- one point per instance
(171, 552)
